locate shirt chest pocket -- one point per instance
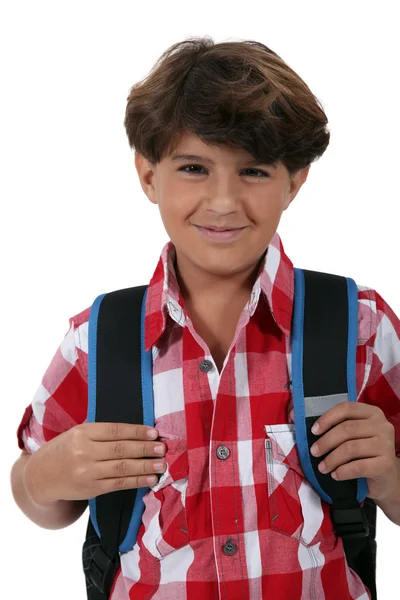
(167, 529)
(296, 510)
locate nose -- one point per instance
(223, 197)
(219, 214)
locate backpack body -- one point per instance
(324, 339)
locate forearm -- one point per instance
(57, 515)
(391, 504)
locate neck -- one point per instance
(200, 288)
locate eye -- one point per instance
(263, 173)
(188, 167)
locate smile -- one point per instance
(220, 236)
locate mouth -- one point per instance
(220, 234)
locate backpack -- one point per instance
(324, 338)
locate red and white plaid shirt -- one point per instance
(233, 517)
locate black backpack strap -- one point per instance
(324, 340)
(363, 560)
(115, 395)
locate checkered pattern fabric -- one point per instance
(233, 517)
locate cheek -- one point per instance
(174, 216)
(269, 212)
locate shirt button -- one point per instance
(206, 366)
(229, 548)
(223, 452)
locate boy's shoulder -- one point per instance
(375, 313)
(367, 314)
(81, 318)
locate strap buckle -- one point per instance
(350, 523)
(102, 570)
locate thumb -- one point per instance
(291, 416)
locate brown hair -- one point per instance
(241, 94)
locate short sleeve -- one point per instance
(60, 402)
(383, 386)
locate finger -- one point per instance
(104, 486)
(370, 468)
(119, 449)
(103, 432)
(342, 412)
(348, 430)
(349, 451)
(127, 468)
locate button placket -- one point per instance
(224, 515)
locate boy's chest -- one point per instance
(257, 372)
(218, 340)
(217, 333)
(250, 362)
(217, 327)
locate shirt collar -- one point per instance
(275, 280)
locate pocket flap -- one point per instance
(177, 463)
(283, 445)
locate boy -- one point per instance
(225, 135)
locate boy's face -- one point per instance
(228, 192)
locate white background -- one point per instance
(75, 222)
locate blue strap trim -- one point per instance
(352, 295)
(352, 292)
(91, 415)
(298, 386)
(148, 419)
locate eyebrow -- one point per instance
(195, 157)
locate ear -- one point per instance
(145, 171)
(296, 181)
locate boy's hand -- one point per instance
(92, 459)
(361, 443)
